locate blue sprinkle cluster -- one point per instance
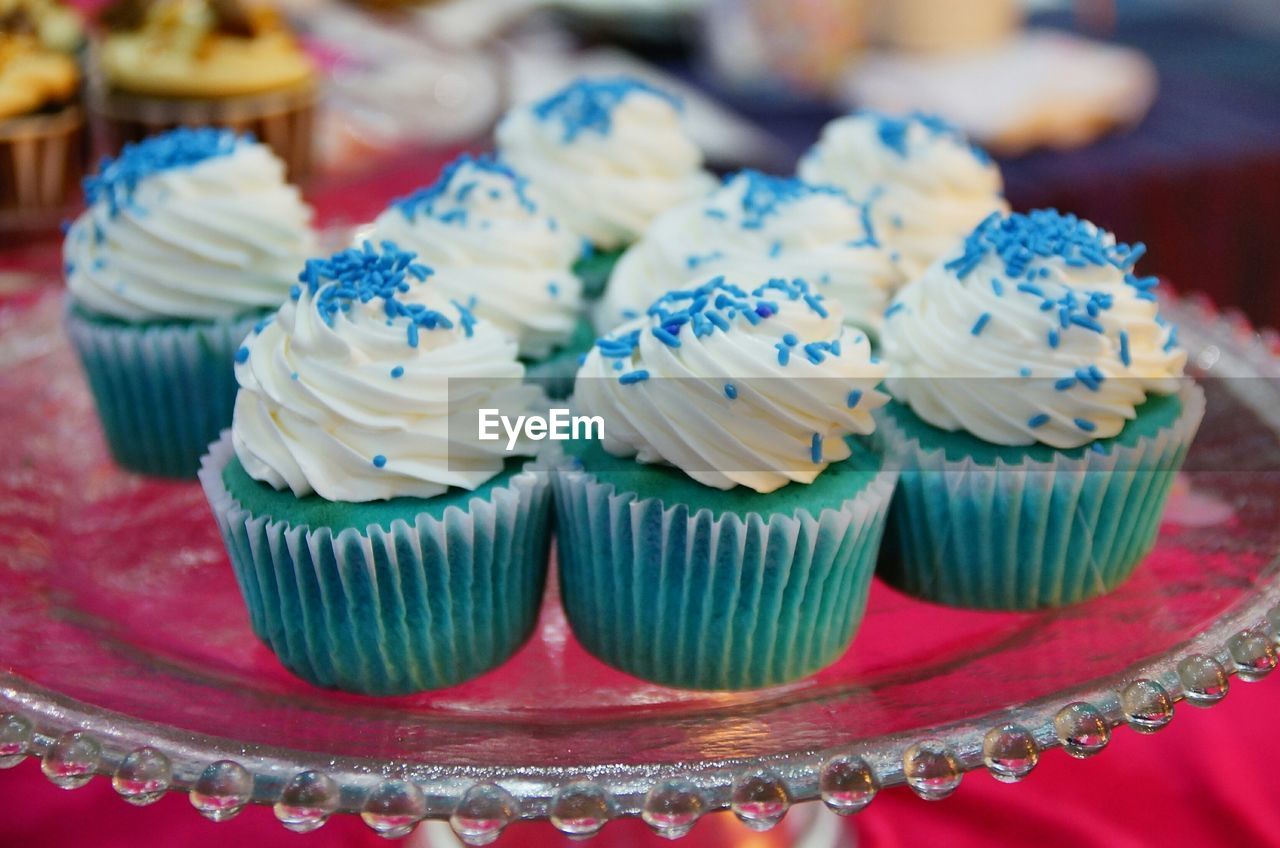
(765, 195)
(714, 307)
(1022, 242)
(117, 179)
(893, 131)
(361, 275)
(453, 189)
(587, 105)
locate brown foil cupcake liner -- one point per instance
(42, 160)
(283, 120)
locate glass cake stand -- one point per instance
(125, 652)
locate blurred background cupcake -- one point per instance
(763, 225)
(492, 245)
(225, 63)
(43, 141)
(190, 241)
(609, 155)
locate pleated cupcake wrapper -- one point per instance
(42, 159)
(163, 391)
(678, 596)
(283, 120)
(1030, 535)
(429, 602)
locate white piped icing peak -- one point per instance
(492, 245)
(928, 186)
(734, 387)
(608, 155)
(347, 392)
(192, 224)
(762, 226)
(1034, 330)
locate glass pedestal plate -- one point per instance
(125, 652)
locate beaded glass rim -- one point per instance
(76, 741)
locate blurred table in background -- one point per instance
(1198, 180)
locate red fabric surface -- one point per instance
(1205, 780)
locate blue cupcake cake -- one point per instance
(493, 246)
(608, 154)
(189, 240)
(765, 226)
(376, 552)
(722, 532)
(1040, 413)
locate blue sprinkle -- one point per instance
(1036, 421)
(242, 355)
(665, 336)
(854, 397)
(980, 323)
(815, 448)
(790, 339)
(379, 461)
(1124, 349)
(730, 391)
(1097, 447)
(397, 372)
(1024, 372)
(633, 377)
(784, 353)
(553, 289)
(775, 249)
(894, 309)
(293, 376)
(1053, 338)
(997, 287)
(1065, 383)
(1086, 425)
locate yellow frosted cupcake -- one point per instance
(43, 146)
(199, 62)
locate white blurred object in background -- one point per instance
(1041, 88)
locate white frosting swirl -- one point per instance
(766, 227)
(1035, 331)
(353, 401)
(608, 155)
(928, 186)
(483, 231)
(172, 233)
(735, 389)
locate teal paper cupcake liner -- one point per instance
(163, 391)
(680, 596)
(389, 611)
(1032, 535)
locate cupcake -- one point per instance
(1039, 417)
(762, 225)
(608, 155)
(376, 552)
(486, 233)
(722, 531)
(167, 63)
(189, 241)
(43, 142)
(927, 185)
